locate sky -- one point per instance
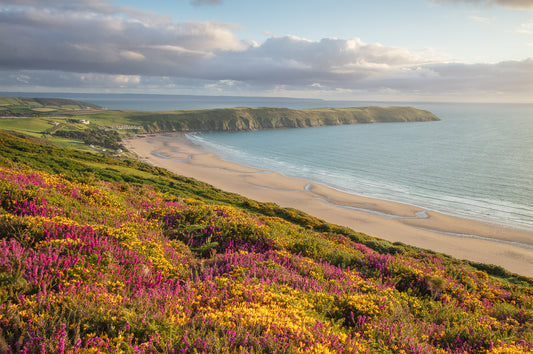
(393, 50)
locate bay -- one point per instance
(477, 162)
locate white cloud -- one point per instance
(526, 28)
(88, 41)
(131, 55)
(23, 79)
(480, 19)
(205, 2)
(112, 80)
(100, 7)
(515, 4)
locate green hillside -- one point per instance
(37, 107)
(83, 126)
(110, 255)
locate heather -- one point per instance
(108, 255)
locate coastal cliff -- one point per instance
(68, 112)
(242, 119)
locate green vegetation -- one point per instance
(109, 139)
(84, 126)
(100, 254)
(61, 122)
(38, 107)
(235, 119)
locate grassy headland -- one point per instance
(78, 125)
(35, 107)
(236, 119)
(101, 254)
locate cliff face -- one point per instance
(239, 119)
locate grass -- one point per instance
(30, 126)
(45, 109)
(45, 104)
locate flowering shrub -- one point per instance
(104, 267)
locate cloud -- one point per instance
(89, 42)
(85, 6)
(480, 19)
(526, 28)
(93, 45)
(105, 42)
(514, 4)
(45, 80)
(206, 2)
(512, 77)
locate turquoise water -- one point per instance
(477, 162)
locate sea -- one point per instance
(476, 162)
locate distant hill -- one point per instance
(35, 107)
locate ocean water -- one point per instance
(477, 162)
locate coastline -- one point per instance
(460, 238)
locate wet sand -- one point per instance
(460, 238)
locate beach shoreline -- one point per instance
(461, 238)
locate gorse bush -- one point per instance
(92, 264)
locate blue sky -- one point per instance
(446, 50)
(464, 31)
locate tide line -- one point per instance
(455, 234)
(418, 215)
(190, 157)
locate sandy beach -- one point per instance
(460, 238)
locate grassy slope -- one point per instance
(119, 255)
(41, 117)
(40, 106)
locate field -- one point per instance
(19, 105)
